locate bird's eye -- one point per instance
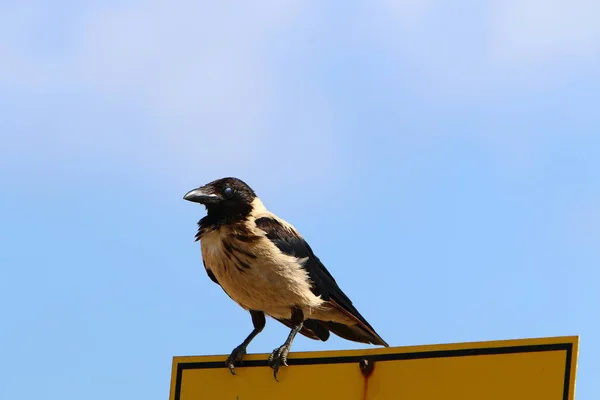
(228, 192)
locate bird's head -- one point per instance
(225, 197)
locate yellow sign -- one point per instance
(525, 369)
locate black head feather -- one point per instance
(227, 200)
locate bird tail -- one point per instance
(356, 333)
(360, 331)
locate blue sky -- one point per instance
(442, 159)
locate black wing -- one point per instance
(291, 243)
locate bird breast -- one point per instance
(256, 274)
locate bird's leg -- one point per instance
(259, 321)
(279, 355)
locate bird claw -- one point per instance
(277, 358)
(236, 356)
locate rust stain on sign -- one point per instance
(366, 368)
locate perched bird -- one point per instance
(265, 266)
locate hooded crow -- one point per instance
(265, 266)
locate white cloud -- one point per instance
(199, 70)
(492, 43)
(203, 72)
(505, 58)
(538, 31)
(408, 13)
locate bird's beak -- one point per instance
(201, 196)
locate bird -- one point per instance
(264, 265)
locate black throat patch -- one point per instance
(221, 215)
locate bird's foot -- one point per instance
(235, 357)
(278, 357)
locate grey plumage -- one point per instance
(264, 265)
